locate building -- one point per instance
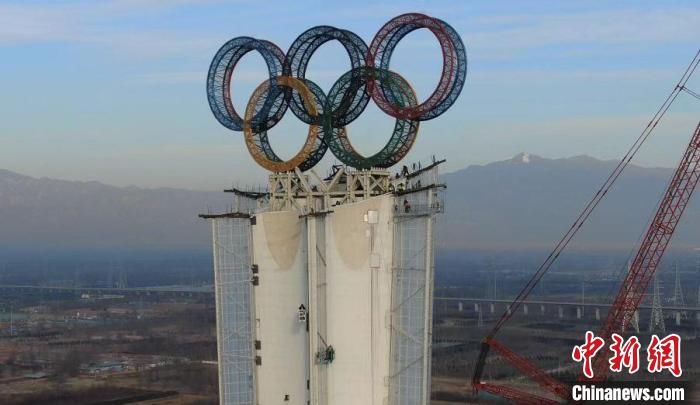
(324, 289)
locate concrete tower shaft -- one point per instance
(324, 289)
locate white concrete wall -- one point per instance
(279, 250)
(358, 301)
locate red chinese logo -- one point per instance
(662, 354)
(625, 354)
(587, 351)
(665, 354)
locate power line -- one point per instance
(602, 192)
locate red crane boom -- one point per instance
(653, 246)
(652, 249)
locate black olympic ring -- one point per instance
(328, 115)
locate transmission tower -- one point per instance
(697, 265)
(121, 279)
(495, 294)
(480, 319)
(635, 321)
(110, 277)
(12, 326)
(678, 299)
(657, 315)
(583, 298)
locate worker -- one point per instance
(406, 206)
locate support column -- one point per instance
(597, 314)
(542, 309)
(525, 309)
(429, 281)
(578, 313)
(317, 307)
(561, 312)
(493, 309)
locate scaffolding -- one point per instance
(248, 201)
(412, 293)
(234, 319)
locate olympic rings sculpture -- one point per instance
(328, 114)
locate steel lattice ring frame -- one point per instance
(327, 116)
(405, 130)
(219, 83)
(314, 119)
(453, 73)
(300, 53)
(257, 141)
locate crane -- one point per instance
(653, 246)
(647, 259)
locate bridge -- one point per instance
(164, 291)
(560, 305)
(207, 292)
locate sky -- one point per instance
(114, 90)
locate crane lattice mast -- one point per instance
(643, 267)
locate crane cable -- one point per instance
(589, 208)
(600, 194)
(691, 92)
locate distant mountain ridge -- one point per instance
(70, 214)
(529, 202)
(526, 202)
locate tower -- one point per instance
(583, 298)
(495, 291)
(677, 298)
(635, 321)
(325, 285)
(110, 276)
(657, 316)
(697, 302)
(332, 277)
(121, 281)
(697, 268)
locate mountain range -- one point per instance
(529, 202)
(526, 202)
(61, 214)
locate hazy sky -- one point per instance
(114, 90)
